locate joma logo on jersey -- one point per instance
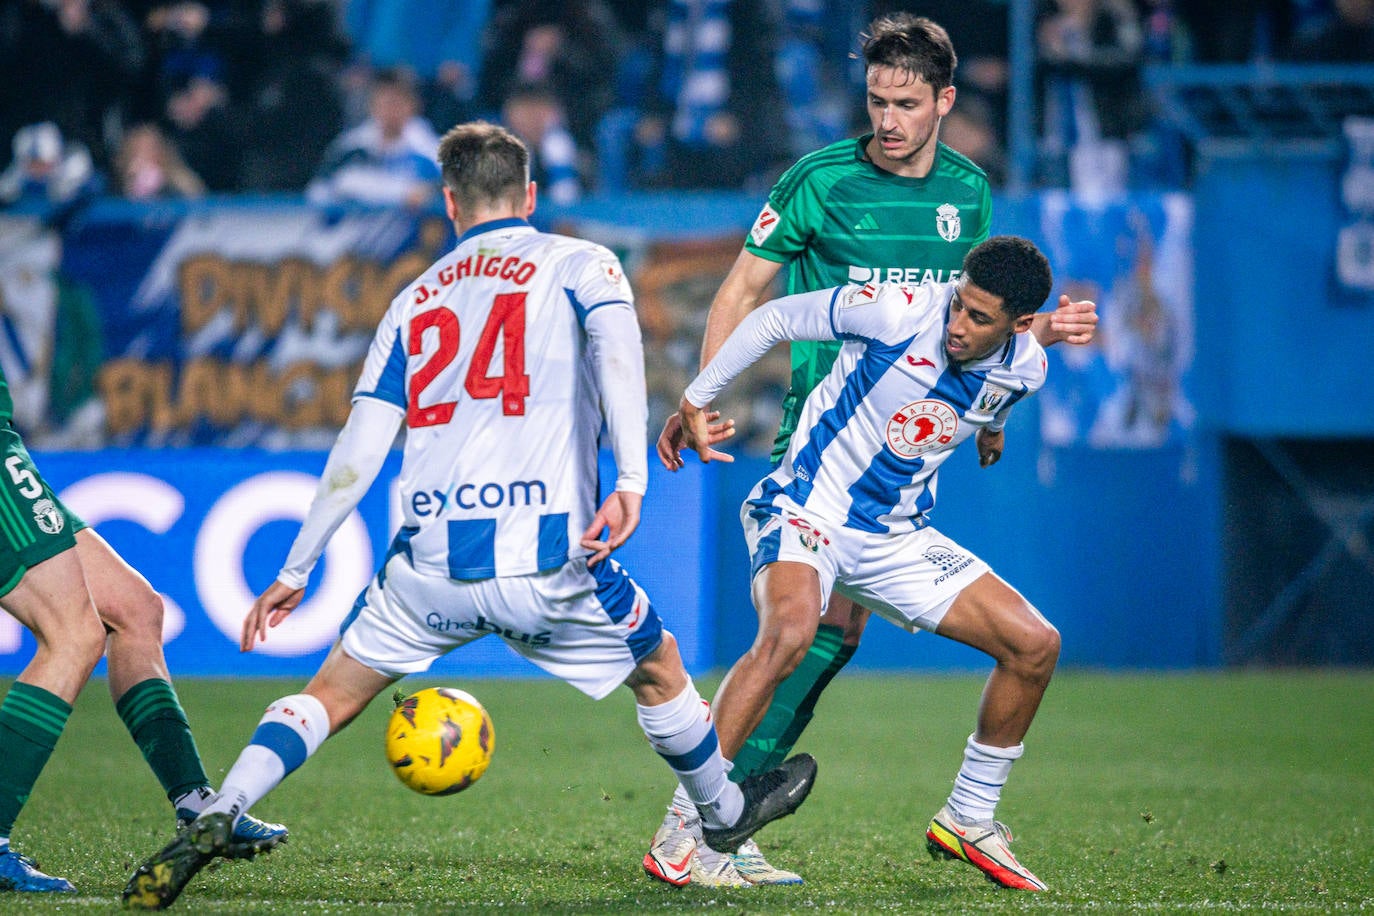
(486, 496)
(921, 426)
(909, 276)
(441, 624)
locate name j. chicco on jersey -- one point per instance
(481, 264)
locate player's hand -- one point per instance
(1072, 322)
(670, 441)
(700, 434)
(619, 514)
(272, 607)
(990, 445)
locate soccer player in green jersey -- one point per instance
(80, 600)
(892, 205)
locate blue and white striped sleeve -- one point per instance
(384, 371)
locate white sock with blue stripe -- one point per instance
(978, 787)
(682, 734)
(290, 731)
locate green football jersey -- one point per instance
(836, 218)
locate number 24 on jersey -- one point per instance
(505, 321)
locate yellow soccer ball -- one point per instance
(439, 740)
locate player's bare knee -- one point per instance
(139, 633)
(780, 649)
(82, 644)
(660, 675)
(136, 609)
(1036, 651)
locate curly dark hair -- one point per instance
(912, 43)
(1013, 269)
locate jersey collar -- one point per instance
(861, 155)
(493, 225)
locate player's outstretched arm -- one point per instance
(271, 608)
(619, 517)
(1071, 322)
(806, 316)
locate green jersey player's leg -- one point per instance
(40, 587)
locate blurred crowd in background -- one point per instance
(344, 100)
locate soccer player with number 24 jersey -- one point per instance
(501, 361)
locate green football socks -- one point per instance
(154, 717)
(31, 721)
(794, 703)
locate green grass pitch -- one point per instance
(1138, 792)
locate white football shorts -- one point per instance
(590, 627)
(910, 579)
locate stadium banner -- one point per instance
(1133, 256)
(240, 324)
(244, 322)
(211, 528)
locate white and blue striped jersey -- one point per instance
(489, 355)
(873, 434)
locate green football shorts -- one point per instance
(34, 525)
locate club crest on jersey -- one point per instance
(991, 398)
(947, 221)
(611, 268)
(810, 538)
(47, 517)
(921, 426)
(764, 225)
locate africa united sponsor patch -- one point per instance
(921, 426)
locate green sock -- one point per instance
(31, 721)
(794, 703)
(154, 717)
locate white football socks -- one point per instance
(978, 787)
(290, 731)
(682, 734)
